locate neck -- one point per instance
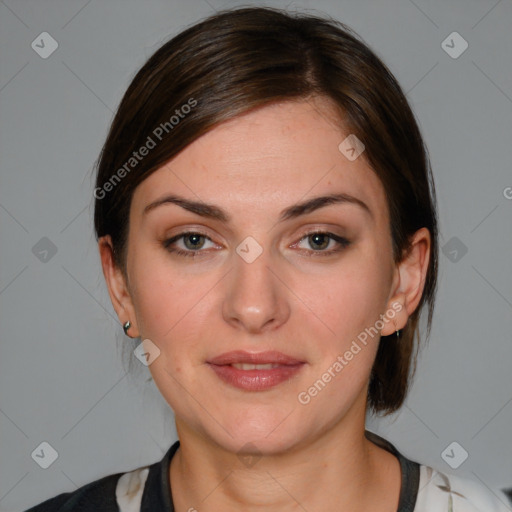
(339, 466)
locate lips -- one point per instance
(255, 372)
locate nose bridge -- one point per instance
(255, 299)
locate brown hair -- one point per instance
(240, 59)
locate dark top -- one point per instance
(100, 495)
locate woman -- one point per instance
(266, 221)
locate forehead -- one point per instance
(266, 160)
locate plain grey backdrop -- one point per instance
(64, 67)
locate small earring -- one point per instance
(398, 334)
(126, 326)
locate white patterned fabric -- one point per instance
(438, 492)
(130, 487)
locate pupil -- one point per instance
(320, 236)
(195, 239)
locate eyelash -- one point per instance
(342, 242)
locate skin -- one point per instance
(290, 299)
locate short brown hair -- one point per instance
(241, 59)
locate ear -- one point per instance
(409, 282)
(117, 286)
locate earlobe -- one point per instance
(117, 286)
(410, 281)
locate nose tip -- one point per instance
(254, 299)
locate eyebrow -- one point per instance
(214, 212)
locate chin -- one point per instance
(260, 431)
(248, 443)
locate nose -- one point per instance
(256, 298)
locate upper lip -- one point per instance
(241, 356)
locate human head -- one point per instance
(240, 60)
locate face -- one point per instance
(247, 273)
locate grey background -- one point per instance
(62, 377)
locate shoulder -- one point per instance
(107, 494)
(443, 492)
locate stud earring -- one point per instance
(126, 326)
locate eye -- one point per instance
(192, 241)
(321, 240)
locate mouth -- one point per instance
(247, 366)
(255, 371)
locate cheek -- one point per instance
(169, 311)
(346, 301)
(347, 337)
(171, 307)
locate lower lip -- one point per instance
(255, 380)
